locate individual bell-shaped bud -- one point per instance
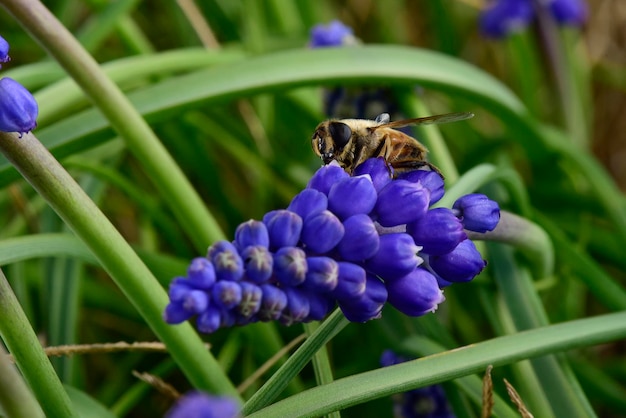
(226, 294)
(258, 262)
(415, 294)
(352, 196)
(284, 228)
(401, 202)
(332, 34)
(201, 273)
(438, 232)
(360, 240)
(351, 282)
(378, 170)
(320, 305)
(477, 212)
(308, 202)
(175, 313)
(178, 289)
(251, 296)
(4, 51)
(322, 274)
(226, 261)
(569, 12)
(396, 256)
(429, 179)
(460, 265)
(196, 301)
(369, 305)
(290, 266)
(209, 321)
(272, 304)
(325, 177)
(18, 108)
(297, 309)
(198, 404)
(251, 233)
(321, 232)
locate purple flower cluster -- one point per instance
(201, 405)
(353, 241)
(18, 108)
(427, 402)
(503, 17)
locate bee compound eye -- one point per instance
(341, 133)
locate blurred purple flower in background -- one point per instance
(202, 405)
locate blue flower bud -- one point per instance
(569, 12)
(401, 202)
(251, 233)
(325, 177)
(319, 305)
(351, 282)
(209, 321)
(308, 202)
(226, 261)
(196, 301)
(396, 257)
(503, 17)
(389, 358)
(360, 240)
(438, 232)
(273, 302)
(369, 305)
(201, 273)
(175, 313)
(290, 266)
(297, 308)
(333, 34)
(226, 294)
(258, 262)
(228, 318)
(178, 289)
(415, 294)
(4, 51)
(460, 265)
(378, 170)
(201, 405)
(18, 108)
(352, 196)
(429, 179)
(251, 296)
(322, 274)
(322, 232)
(477, 212)
(284, 228)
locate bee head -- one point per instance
(330, 139)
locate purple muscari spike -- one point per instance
(226, 294)
(251, 233)
(378, 170)
(284, 228)
(351, 282)
(477, 212)
(415, 294)
(401, 202)
(175, 313)
(438, 232)
(4, 51)
(319, 305)
(209, 321)
(396, 257)
(18, 108)
(369, 305)
(201, 273)
(429, 179)
(251, 296)
(226, 261)
(333, 34)
(258, 262)
(322, 232)
(273, 302)
(352, 196)
(502, 17)
(322, 274)
(361, 240)
(196, 301)
(298, 307)
(569, 12)
(201, 405)
(460, 265)
(326, 177)
(290, 266)
(389, 358)
(308, 202)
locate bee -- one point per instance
(352, 141)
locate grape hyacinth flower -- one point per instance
(4, 51)
(202, 405)
(18, 108)
(346, 241)
(333, 34)
(426, 402)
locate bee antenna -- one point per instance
(382, 118)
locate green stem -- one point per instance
(71, 203)
(167, 177)
(22, 342)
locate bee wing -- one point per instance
(428, 120)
